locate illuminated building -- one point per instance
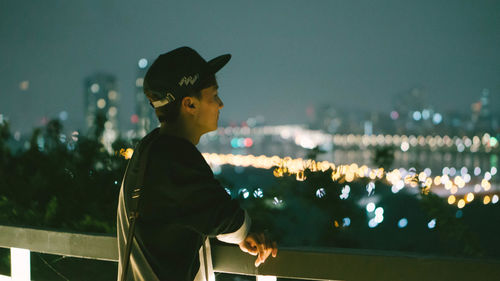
(485, 103)
(101, 108)
(481, 114)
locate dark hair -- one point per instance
(170, 112)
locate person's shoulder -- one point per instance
(179, 156)
(170, 149)
(173, 146)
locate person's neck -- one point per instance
(180, 130)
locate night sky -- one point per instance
(287, 55)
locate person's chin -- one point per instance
(214, 128)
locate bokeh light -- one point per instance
(431, 224)
(143, 63)
(370, 207)
(402, 223)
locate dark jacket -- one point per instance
(182, 204)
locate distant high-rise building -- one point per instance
(407, 103)
(485, 103)
(481, 113)
(144, 118)
(413, 114)
(101, 108)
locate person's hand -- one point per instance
(258, 244)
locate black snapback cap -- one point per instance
(174, 72)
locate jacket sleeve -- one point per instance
(194, 199)
(239, 235)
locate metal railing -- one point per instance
(303, 263)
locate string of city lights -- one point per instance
(311, 138)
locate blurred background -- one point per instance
(376, 123)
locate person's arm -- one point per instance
(223, 218)
(208, 209)
(185, 188)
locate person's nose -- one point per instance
(221, 104)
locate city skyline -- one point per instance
(352, 55)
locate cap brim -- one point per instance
(217, 63)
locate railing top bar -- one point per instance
(7, 226)
(384, 253)
(94, 246)
(313, 265)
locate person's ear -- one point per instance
(189, 104)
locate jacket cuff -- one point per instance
(239, 235)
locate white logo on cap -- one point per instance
(186, 80)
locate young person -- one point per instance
(178, 201)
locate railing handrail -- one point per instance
(71, 244)
(303, 263)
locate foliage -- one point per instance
(383, 157)
(57, 183)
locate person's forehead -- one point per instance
(210, 90)
(214, 88)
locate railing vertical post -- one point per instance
(265, 278)
(20, 264)
(207, 256)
